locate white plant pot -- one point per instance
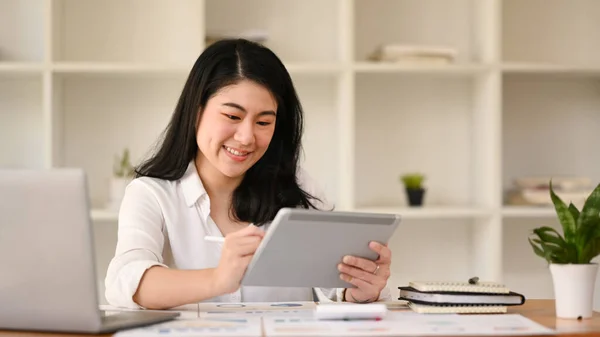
(117, 191)
(574, 289)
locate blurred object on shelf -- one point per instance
(413, 54)
(255, 35)
(565, 183)
(123, 173)
(535, 190)
(413, 185)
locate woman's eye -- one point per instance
(232, 117)
(263, 123)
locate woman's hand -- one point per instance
(238, 249)
(370, 277)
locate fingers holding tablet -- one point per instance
(385, 254)
(370, 277)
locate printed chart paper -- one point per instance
(406, 324)
(212, 326)
(257, 309)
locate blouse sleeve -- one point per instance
(140, 244)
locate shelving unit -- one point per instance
(81, 80)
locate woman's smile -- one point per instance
(235, 154)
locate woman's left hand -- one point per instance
(370, 277)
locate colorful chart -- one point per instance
(254, 306)
(214, 326)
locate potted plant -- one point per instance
(570, 255)
(413, 185)
(123, 172)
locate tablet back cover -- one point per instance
(302, 248)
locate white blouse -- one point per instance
(164, 222)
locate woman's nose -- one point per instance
(245, 133)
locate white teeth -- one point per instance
(237, 153)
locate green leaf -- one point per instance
(591, 244)
(596, 249)
(537, 250)
(589, 219)
(552, 252)
(571, 253)
(575, 213)
(591, 250)
(549, 234)
(581, 241)
(564, 215)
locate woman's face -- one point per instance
(236, 128)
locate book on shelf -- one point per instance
(414, 54)
(459, 297)
(535, 190)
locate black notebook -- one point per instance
(443, 297)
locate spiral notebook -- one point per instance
(461, 287)
(459, 297)
(457, 309)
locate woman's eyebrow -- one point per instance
(241, 108)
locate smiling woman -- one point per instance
(235, 130)
(228, 162)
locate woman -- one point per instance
(227, 163)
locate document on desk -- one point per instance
(211, 326)
(406, 324)
(256, 309)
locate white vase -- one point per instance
(117, 191)
(574, 289)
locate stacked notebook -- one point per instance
(459, 297)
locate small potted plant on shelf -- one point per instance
(413, 185)
(123, 172)
(570, 255)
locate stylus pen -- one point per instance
(214, 238)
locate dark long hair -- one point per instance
(272, 182)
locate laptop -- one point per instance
(48, 278)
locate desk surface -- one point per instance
(540, 311)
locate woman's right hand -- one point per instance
(238, 250)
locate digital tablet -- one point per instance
(302, 247)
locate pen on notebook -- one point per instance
(214, 238)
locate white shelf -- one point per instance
(412, 22)
(298, 31)
(81, 80)
(21, 68)
(429, 212)
(152, 31)
(119, 68)
(114, 68)
(550, 69)
(404, 212)
(528, 212)
(22, 24)
(450, 69)
(22, 129)
(313, 68)
(104, 215)
(550, 31)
